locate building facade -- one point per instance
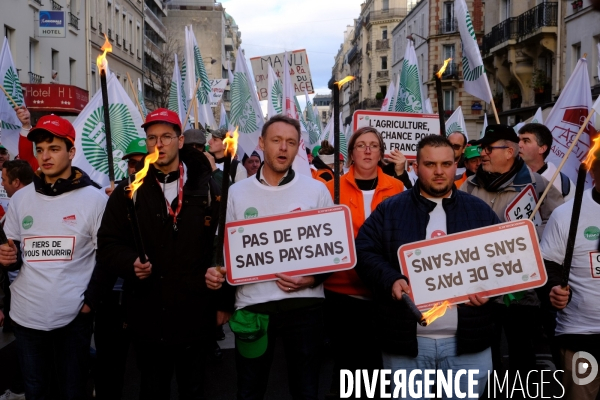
(341, 69)
(156, 80)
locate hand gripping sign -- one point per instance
(297, 243)
(489, 261)
(400, 131)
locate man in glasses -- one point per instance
(499, 179)
(170, 315)
(459, 143)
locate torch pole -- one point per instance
(3, 238)
(135, 226)
(577, 200)
(223, 209)
(414, 310)
(107, 131)
(336, 144)
(440, 98)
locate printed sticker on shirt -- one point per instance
(48, 248)
(437, 233)
(595, 263)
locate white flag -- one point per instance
(312, 124)
(177, 100)
(9, 79)
(409, 91)
(245, 112)
(564, 121)
(328, 132)
(90, 141)
(390, 97)
(538, 118)
(223, 121)
(476, 82)
(428, 109)
(456, 123)
(288, 103)
(275, 100)
(485, 124)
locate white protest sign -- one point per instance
(595, 263)
(48, 248)
(522, 206)
(400, 131)
(495, 260)
(299, 72)
(297, 243)
(217, 87)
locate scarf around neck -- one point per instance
(496, 181)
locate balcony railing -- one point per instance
(451, 71)
(446, 26)
(55, 5)
(370, 104)
(35, 78)
(383, 74)
(354, 96)
(544, 14)
(352, 53)
(73, 21)
(383, 44)
(386, 14)
(369, 47)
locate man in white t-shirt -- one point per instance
(51, 226)
(461, 338)
(578, 318)
(290, 307)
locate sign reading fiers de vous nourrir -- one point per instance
(491, 261)
(52, 24)
(296, 243)
(400, 131)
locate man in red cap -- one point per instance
(51, 226)
(170, 313)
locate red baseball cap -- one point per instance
(54, 124)
(162, 115)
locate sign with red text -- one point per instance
(400, 131)
(522, 206)
(217, 88)
(299, 72)
(491, 261)
(298, 243)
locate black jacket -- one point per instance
(403, 219)
(173, 304)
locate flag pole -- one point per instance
(137, 101)
(494, 110)
(187, 115)
(562, 163)
(8, 96)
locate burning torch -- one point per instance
(428, 316)
(336, 132)
(230, 141)
(130, 193)
(440, 96)
(102, 64)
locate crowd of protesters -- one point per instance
(72, 268)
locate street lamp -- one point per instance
(410, 37)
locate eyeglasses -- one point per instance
(489, 149)
(364, 147)
(165, 140)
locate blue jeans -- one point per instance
(440, 354)
(55, 359)
(302, 334)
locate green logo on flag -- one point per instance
(471, 74)
(409, 98)
(591, 233)
(250, 213)
(242, 112)
(454, 127)
(277, 96)
(13, 86)
(27, 222)
(93, 138)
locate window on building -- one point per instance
(72, 71)
(506, 6)
(32, 56)
(449, 10)
(576, 54)
(9, 34)
(383, 90)
(384, 62)
(448, 51)
(54, 60)
(448, 100)
(94, 82)
(385, 5)
(384, 33)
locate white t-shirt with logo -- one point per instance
(58, 243)
(582, 314)
(445, 326)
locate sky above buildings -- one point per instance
(274, 26)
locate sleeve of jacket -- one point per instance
(116, 246)
(373, 267)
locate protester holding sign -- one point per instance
(433, 207)
(498, 181)
(578, 321)
(52, 227)
(291, 306)
(348, 306)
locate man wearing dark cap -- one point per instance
(217, 149)
(251, 163)
(51, 226)
(499, 179)
(170, 314)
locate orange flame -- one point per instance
(231, 143)
(344, 81)
(141, 174)
(101, 61)
(437, 311)
(593, 154)
(441, 71)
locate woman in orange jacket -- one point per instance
(348, 302)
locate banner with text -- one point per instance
(299, 72)
(297, 243)
(217, 87)
(400, 131)
(491, 261)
